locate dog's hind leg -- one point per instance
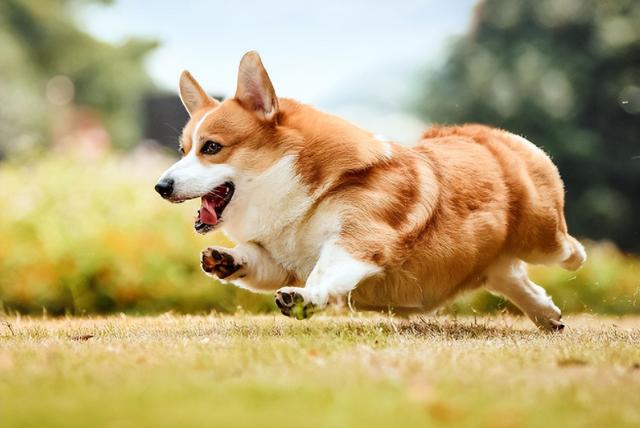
(336, 273)
(247, 266)
(508, 277)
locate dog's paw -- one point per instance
(551, 322)
(556, 325)
(550, 325)
(217, 262)
(292, 303)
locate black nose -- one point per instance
(165, 187)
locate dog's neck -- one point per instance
(327, 146)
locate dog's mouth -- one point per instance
(213, 205)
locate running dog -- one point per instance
(319, 207)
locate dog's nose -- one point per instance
(165, 187)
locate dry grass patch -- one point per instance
(369, 371)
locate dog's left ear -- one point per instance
(192, 95)
(255, 91)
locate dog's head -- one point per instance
(223, 142)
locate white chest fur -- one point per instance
(271, 208)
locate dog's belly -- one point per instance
(395, 291)
(402, 289)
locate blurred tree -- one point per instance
(39, 40)
(566, 75)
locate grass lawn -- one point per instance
(342, 371)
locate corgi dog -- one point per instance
(321, 208)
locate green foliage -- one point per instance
(95, 238)
(39, 40)
(566, 75)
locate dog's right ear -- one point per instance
(192, 95)
(255, 91)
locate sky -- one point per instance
(358, 59)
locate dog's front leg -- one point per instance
(336, 273)
(248, 266)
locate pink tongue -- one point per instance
(207, 212)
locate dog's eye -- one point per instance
(181, 150)
(210, 148)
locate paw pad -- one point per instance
(219, 263)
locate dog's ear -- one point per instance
(192, 95)
(255, 91)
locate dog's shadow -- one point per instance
(461, 330)
(369, 328)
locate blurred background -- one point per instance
(89, 118)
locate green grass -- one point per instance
(342, 371)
